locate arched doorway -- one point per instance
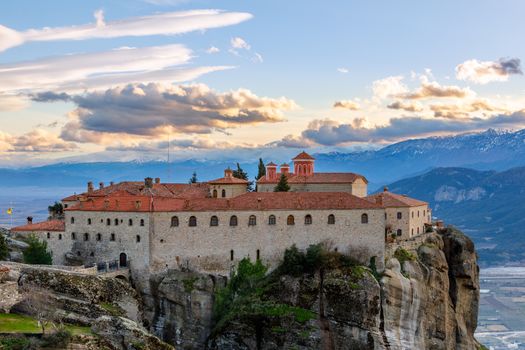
(123, 261)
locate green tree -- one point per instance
(261, 169)
(282, 186)
(4, 252)
(37, 252)
(193, 178)
(56, 210)
(241, 174)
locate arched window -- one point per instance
(271, 220)
(252, 220)
(412, 232)
(399, 215)
(141, 222)
(424, 212)
(331, 219)
(231, 255)
(214, 193)
(130, 222)
(174, 221)
(223, 193)
(99, 237)
(89, 221)
(233, 220)
(418, 230)
(258, 254)
(116, 222)
(364, 218)
(73, 236)
(86, 236)
(418, 213)
(108, 222)
(138, 239)
(112, 237)
(290, 220)
(48, 235)
(72, 220)
(412, 215)
(60, 236)
(193, 221)
(308, 219)
(214, 221)
(399, 232)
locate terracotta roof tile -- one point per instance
(317, 178)
(271, 164)
(50, 225)
(303, 156)
(228, 180)
(393, 200)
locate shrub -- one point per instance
(59, 338)
(37, 252)
(403, 255)
(4, 251)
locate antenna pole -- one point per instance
(169, 171)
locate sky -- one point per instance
(123, 79)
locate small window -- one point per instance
(108, 222)
(418, 230)
(99, 237)
(412, 215)
(331, 219)
(231, 255)
(214, 221)
(65, 206)
(72, 220)
(193, 221)
(364, 218)
(130, 222)
(271, 220)
(138, 238)
(141, 222)
(308, 219)
(424, 213)
(78, 252)
(116, 222)
(252, 220)
(399, 215)
(86, 236)
(48, 235)
(112, 237)
(89, 221)
(385, 216)
(290, 220)
(412, 232)
(418, 213)
(73, 236)
(174, 221)
(92, 254)
(258, 254)
(399, 232)
(214, 193)
(223, 193)
(233, 220)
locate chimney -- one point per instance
(148, 182)
(285, 169)
(385, 189)
(157, 180)
(271, 171)
(111, 183)
(29, 220)
(228, 173)
(101, 185)
(90, 187)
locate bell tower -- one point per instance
(303, 164)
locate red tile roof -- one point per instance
(249, 201)
(50, 225)
(228, 180)
(271, 164)
(320, 178)
(393, 200)
(303, 156)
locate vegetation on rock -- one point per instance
(37, 252)
(4, 251)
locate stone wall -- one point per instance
(210, 248)
(229, 189)
(59, 243)
(411, 223)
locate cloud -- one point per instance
(213, 49)
(10, 103)
(239, 43)
(454, 111)
(75, 73)
(483, 72)
(186, 144)
(388, 87)
(153, 109)
(343, 70)
(433, 89)
(35, 141)
(330, 133)
(347, 104)
(291, 141)
(171, 23)
(257, 58)
(406, 106)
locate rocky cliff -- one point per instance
(427, 298)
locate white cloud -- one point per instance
(239, 43)
(257, 58)
(37, 140)
(343, 70)
(10, 103)
(213, 49)
(483, 72)
(101, 70)
(388, 87)
(432, 89)
(170, 23)
(347, 104)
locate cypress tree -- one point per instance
(261, 169)
(241, 174)
(282, 186)
(193, 178)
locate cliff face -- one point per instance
(427, 298)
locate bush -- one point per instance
(37, 252)
(4, 251)
(14, 343)
(403, 255)
(59, 338)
